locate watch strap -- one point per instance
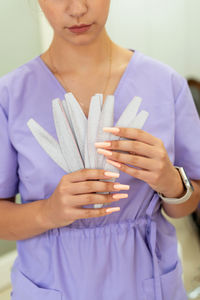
(188, 186)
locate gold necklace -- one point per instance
(62, 81)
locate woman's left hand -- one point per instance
(148, 154)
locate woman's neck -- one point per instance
(81, 59)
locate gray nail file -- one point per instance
(92, 129)
(106, 120)
(66, 139)
(48, 143)
(77, 120)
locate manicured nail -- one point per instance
(112, 209)
(119, 196)
(111, 129)
(105, 152)
(111, 174)
(114, 163)
(102, 144)
(122, 186)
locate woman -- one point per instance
(66, 251)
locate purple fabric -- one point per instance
(130, 254)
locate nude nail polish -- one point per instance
(120, 196)
(102, 144)
(105, 152)
(121, 186)
(112, 209)
(111, 174)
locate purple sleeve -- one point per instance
(8, 160)
(187, 133)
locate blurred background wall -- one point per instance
(19, 33)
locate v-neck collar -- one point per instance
(118, 88)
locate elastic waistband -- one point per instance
(100, 230)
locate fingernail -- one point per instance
(105, 152)
(111, 129)
(122, 186)
(114, 163)
(112, 209)
(102, 144)
(111, 174)
(119, 196)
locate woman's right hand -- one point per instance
(76, 189)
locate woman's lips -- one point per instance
(80, 29)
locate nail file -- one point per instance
(77, 121)
(91, 153)
(130, 112)
(92, 128)
(48, 143)
(105, 120)
(66, 139)
(139, 120)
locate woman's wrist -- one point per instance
(43, 218)
(177, 188)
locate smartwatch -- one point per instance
(188, 188)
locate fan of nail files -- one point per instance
(75, 149)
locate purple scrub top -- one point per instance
(130, 254)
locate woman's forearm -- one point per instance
(22, 221)
(186, 208)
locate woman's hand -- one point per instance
(80, 188)
(148, 157)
